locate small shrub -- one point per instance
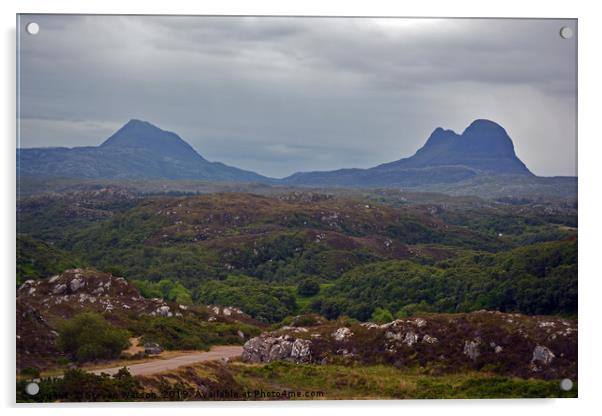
(306, 320)
(308, 287)
(89, 337)
(166, 289)
(381, 316)
(30, 372)
(62, 361)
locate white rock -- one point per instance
(420, 322)
(542, 354)
(342, 333)
(300, 329)
(393, 335)
(59, 289)
(163, 311)
(471, 349)
(410, 338)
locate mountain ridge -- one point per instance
(142, 134)
(142, 150)
(137, 150)
(483, 148)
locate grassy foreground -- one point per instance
(282, 381)
(387, 382)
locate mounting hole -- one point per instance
(566, 32)
(566, 384)
(32, 28)
(32, 389)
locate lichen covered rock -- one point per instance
(265, 349)
(509, 344)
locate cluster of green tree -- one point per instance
(263, 301)
(188, 264)
(166, 289)
(136, 242)
(308, 287)
(121, 243)
(537, 279)
(525, 229)
(413, 232)
(55, 219)
(88, 337)
(283, 257)
(37, 259)
(312, 259)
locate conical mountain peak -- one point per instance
(144, 136)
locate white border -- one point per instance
(590, 152)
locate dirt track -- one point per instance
(159, 365)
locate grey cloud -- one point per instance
(279, 95)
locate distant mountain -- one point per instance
(137, 150)
(484, 148)
(140, 150)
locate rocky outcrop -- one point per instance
(471, 349)
(152, 348)
(511, 344)
(542, 355)
(342, 334)
(43, 304)
(265, 349)
(79, 289)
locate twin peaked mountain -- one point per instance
(139, 150)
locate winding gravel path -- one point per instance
(159, 365)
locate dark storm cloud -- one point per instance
(279, 95)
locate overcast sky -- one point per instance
(280, 95)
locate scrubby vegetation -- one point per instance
(308, 287)
(166, 289)
(537, 279)
(89, 337)
(80, 386)
(270, 255)
(191, 332)
(270, 381)
(387, 382)
(37, 259)
(263, 301)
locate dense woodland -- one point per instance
(365, 255)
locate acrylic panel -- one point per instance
(295, 208)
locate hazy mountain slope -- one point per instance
(482, 157)
(484, 148)
(137, 150)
